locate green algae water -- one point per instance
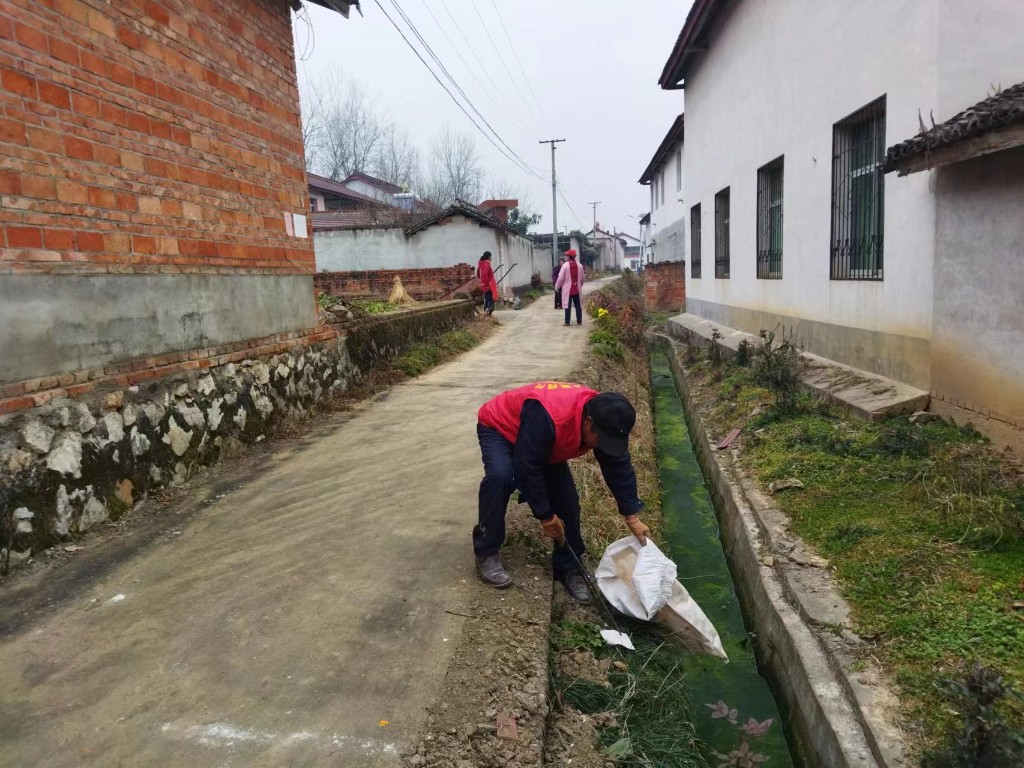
(731, 702)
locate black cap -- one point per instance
(613, 417)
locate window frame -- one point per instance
(858, 195)
(770, 201)
(679, 170)
(695, 233)
(722, 233)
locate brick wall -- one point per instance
(665, 285)
(424, 284)
(149, 136)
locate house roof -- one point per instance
(646, 218)
(692, 40)
(601, 233)
(990, 125)
(468, 210)
(673, 137)
(341, 6)
(369, 217)
(387, 186)
(384, 217)
(337, 188)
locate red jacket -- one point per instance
(485, 272)
(564, 404)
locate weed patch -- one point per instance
(426, 355)
(922, 524)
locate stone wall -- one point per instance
(75, 462)
(665, 285)
(424, 284)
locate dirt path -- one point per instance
(300, 618)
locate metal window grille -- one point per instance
(722, 234)
(769, 221)
(695, 241)
(858, 194)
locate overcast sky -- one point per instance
(593, 67)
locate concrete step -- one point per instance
(864, 394)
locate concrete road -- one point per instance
(298, 620)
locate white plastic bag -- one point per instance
(640, 581)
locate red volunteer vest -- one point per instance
(564, 404)
(574, 276)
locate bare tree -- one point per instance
(454, 170)
(342, 127)
(396, 158)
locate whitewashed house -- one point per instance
(391, 238)
(665, 225)
(612, 246)
(790, 107)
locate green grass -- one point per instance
(924, 526)
(422, 357)
(375, 307)
(647, 697)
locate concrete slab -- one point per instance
(865, 394)
(298, 620)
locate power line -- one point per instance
(519, 63)
(501, 60)
(450, 94)
(510, 113)
(472, 50)
(452, 80)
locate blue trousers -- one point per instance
(496, 489)
(488, 301)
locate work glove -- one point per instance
(554, 529)
(637, 528)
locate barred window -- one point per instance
(722, 234)
(858, 194)
(695, 241)
(769, 220)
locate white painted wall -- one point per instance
(460, 241)
(357, 185)
(774, 80)
(667, 216)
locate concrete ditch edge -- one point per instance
(826, 719)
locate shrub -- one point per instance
(987, 739)
(743, 353)
(777, 367)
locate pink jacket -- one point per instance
(564, 281)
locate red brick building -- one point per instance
(153, 195)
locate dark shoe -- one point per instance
(576, 586)
(568, 324)
(492, 572)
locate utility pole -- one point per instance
(594, 230)
(554, 202)
(594, 206)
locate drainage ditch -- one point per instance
(734, 708)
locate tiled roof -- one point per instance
(337, 188)
(387, 186)
(1002, 110)
(691, 40)
(460, 207)
(386, 217)
(378, 217)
